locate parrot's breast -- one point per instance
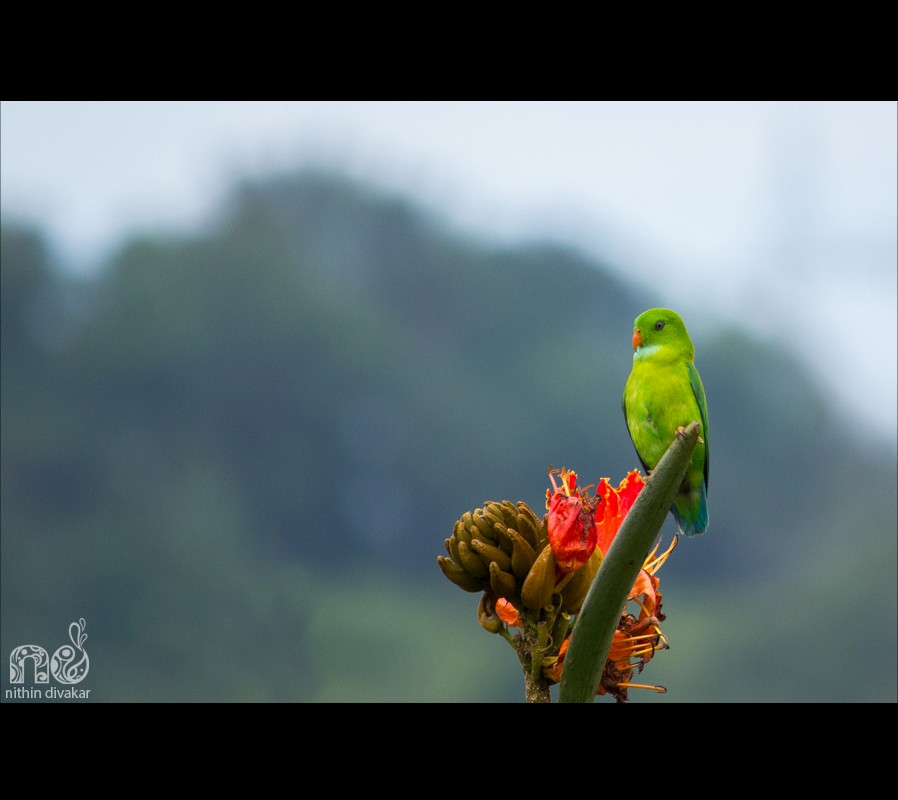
(658, 399)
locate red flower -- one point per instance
(615, 505)
(572, 521)
(572, 518)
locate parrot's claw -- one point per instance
(681, 432)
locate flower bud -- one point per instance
(457, 574)
(501, 582)
(486, 614)
(540, 581)
(574, 592)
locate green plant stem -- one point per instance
(537, 650)
(536, 688)
(605, 601)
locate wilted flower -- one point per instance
(637, 637)
(571, 521)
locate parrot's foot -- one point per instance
(681, 432)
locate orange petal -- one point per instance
(507, 612)
(629, 490)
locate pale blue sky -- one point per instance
(779, 217)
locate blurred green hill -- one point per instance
(237, 454)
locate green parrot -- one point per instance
(663, 393)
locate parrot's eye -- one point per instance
(659, 324)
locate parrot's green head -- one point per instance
(660, 328)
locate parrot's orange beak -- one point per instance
(637, 338)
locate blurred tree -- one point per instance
(220, 447)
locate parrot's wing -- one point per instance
(699, 391)
(623, 406)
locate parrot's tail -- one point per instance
(690, 511)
